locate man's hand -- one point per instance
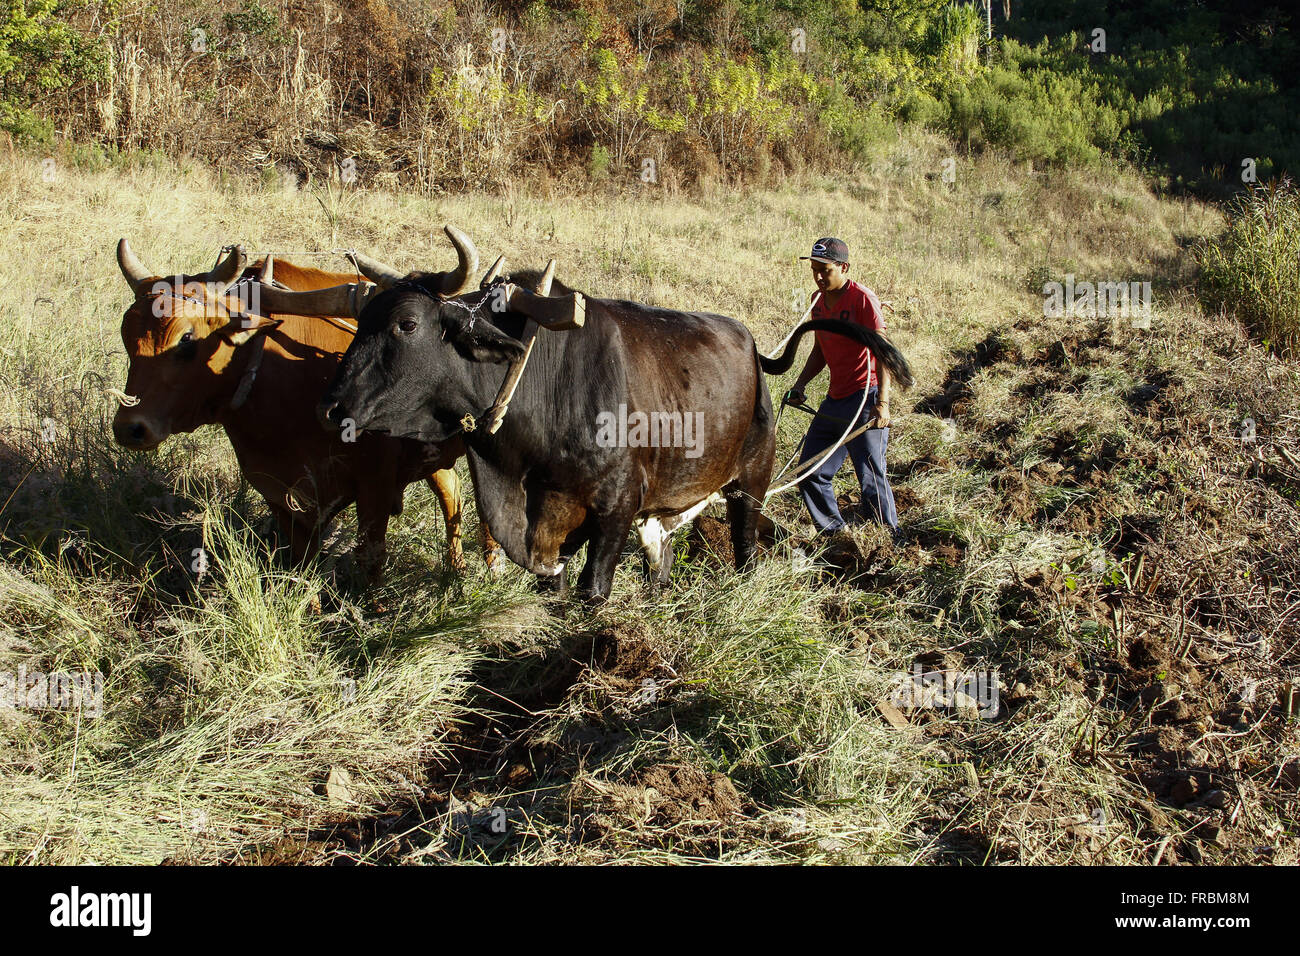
(881, 414)
(795, 396)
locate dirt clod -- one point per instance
(686, 793)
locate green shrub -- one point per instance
(1251, 269)
(741, 106)
(618, 108)
(1202, 86)
(952, 40)
(39, 53)
(854, 128)
(598, 165)
(1191, 96)
(918, 106)
(25, 126)
(255, 20)
(1035, 113)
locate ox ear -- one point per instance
(241, 330)
(478, 342)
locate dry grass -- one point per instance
(1088, 525)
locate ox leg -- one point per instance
(558, 527)
(666, 559)
(283, 536)
(745, 495)
(603, 553)
(572, 545)
(656, 552)
(298, 532)
(557, 584)
(494, 555)
(446, 486)
(374, 507)
(742, 511)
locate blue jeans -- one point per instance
(868, 454)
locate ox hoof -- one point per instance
(658, 575)
(496, 562)
(593, 600)
(557, 584)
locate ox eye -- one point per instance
(406, 325)
(188, 346)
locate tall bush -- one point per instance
(1252, 270)
(40, 54)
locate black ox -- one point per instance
(427, 366)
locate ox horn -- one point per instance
(224, 274)
(379, 273)
(449, 283)
(490, 276)
(458, 280)
(132, 268)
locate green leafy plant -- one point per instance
(598, 165)
(1251, 269)
(617, 108)
(741, 106)
(41, 54)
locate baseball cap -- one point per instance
(829, 250)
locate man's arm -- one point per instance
(875, 319)
(881, 411)
(811, 369)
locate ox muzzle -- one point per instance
(135, 431)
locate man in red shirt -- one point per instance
(852, 369)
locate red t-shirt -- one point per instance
(852, 366)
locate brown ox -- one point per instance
(197, 358)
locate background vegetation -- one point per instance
(1253, 268)
(442, 96)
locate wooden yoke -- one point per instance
(558, 313)
(571, 314)
(337, 300)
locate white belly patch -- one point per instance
(652, 532)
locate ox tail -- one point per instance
(884, 351)
(762, 398)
